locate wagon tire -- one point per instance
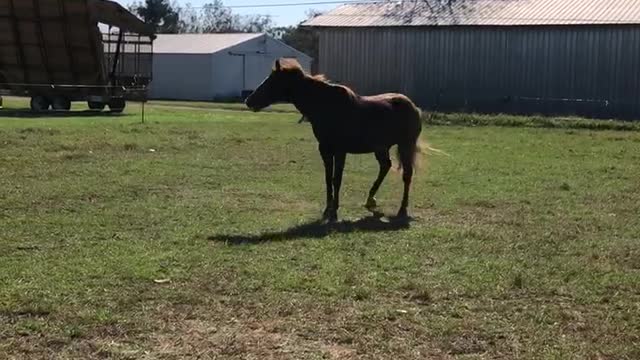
(117, 105)
(40, 103)
(96, 105)
(61, 103)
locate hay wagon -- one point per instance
(59, 51)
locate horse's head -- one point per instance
(279, 86)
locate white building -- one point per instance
(210, 67)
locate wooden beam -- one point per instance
(16, 38)
(69, 49)
(42, 45)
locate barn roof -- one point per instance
(480, 13)
(198, 43)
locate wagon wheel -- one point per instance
(40, 103)
(96, 105)
(61, 103)
(117, 105)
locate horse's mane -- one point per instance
(292, 65)
(320, 77)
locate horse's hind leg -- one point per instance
(385, 164)
(407, 154)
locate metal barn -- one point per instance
(215, 66)
(513, 56)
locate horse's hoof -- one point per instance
(371, 204)
(402, 214)
(329, 220)
(330, 216)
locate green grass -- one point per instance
(529, 121)
(281, 108)
(12, 102)
(193, 235)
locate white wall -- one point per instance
(260, 55)
(207, 77)
(181, 77)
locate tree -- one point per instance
(441, 5)
(161, 14)
(214, 17)
(433, 9)
(256, 23)
(188, 20)
(299, 37)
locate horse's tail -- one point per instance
(410, 153)
(414, 151)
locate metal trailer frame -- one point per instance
(58, 54)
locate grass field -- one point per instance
(195, 235)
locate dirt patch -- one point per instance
(72, 156)
(237, 338)
(472, 214)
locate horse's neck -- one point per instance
(313, 98)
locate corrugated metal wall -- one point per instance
(585, 70)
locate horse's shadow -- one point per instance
(317, 229)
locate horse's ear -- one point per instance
(278, 67)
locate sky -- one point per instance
(282, 16)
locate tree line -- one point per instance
(167, 17)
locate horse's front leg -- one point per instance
(330, 212)
(339, 159)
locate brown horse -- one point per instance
(346, 123)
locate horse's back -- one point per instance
(390, 110)
(378, 122)
(392, 101)
(363, 124)
(387, 97)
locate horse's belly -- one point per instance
(363, 144)
(359, 138)
(359, 149)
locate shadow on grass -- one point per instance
(317, 229)
(28, 114)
